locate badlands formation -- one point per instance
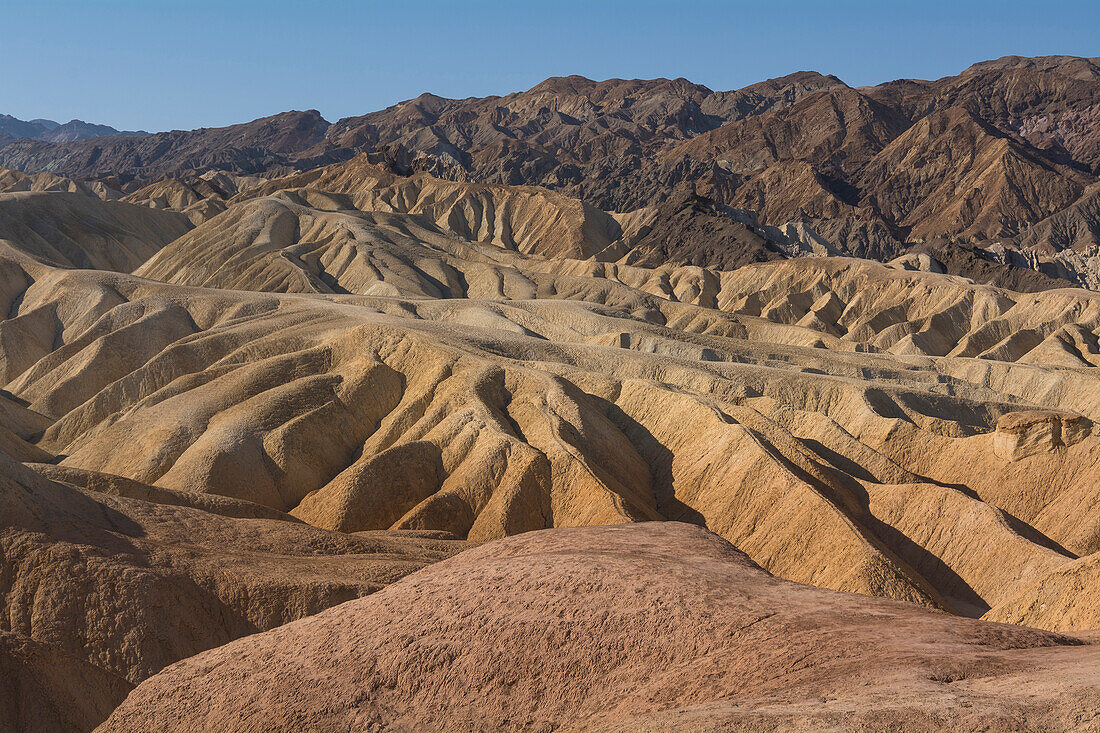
(355, 447)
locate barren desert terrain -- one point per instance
(623, 405)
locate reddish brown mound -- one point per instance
(657, 625)
(44, 689)
(131, 586)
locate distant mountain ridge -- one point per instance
(12, 128)
(268, 144)
(1006, 152)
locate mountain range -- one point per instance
(50, 131)
(1004, 155)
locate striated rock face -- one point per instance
(1064, 599)
(656, 626)
(1023, 434)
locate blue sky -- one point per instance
(160, 65)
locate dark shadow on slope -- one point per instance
(658, 458)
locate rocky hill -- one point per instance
(260, 145)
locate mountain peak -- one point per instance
(1077, 67)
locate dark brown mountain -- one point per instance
(593, 140)
(837, 129)
(692, 230)
(953, 174)
(1075, 227)
(1052, 102)
(74, 130)
(1072, 66)
(565, 133)
(1005, 151)
(765, 96)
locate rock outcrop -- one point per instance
(1023, 434)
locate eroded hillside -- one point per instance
(228, 403)
(437, 361)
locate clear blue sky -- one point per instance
(160, 65)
